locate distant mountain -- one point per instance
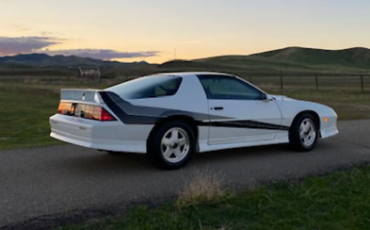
(43, 60)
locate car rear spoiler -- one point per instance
(81, 95)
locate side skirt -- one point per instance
(281, 138)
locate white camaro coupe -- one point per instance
(171, 116)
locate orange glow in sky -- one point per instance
(194, 28)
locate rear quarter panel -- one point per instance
(189, 98)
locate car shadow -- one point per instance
(96, 161)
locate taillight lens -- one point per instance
(66, 108)
(91, 112)
(105, 116)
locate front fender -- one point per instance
(328, 117)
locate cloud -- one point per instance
(16, 45)
(26, 45)
(49, 33)
(46, 33)
(101, 53)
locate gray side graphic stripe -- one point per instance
(245, 124)
(132, 114)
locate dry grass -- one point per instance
(202, 188)
(223, 227)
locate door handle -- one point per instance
(218, 108)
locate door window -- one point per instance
(228, 88)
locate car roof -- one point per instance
(183, 74)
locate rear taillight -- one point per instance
(105, 116)
(91, 112)
(66, 108)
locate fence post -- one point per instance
(316, 82)
(362, 83)
(281, 82)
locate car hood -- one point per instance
(282, 98)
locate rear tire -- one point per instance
(172, 145)
(304, 133)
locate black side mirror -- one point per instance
(266, 97)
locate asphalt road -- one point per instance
(60, 179)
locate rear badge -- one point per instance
(78, 111)
(83, 96)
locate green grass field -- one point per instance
(24, 116)
(26, 109)
(338, 201)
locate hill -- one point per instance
(184, 64)
(291, 60)
(353, 57)
(300, 59)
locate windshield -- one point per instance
(147, 87)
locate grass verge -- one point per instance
(337, 201)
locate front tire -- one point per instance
(172, 145)
(304, 133)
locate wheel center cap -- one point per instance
(174, 146)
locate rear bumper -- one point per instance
(109, 136)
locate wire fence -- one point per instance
(281, 82)
(359, 83)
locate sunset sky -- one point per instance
(151, 29)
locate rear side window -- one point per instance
(148, 87)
